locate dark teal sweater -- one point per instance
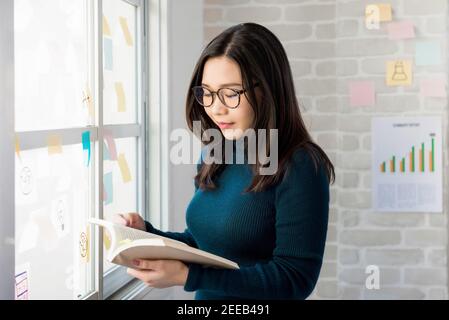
(277, 236)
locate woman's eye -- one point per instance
(207, 95)
(232, 95)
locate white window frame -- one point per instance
(7, 205)
(113, 280)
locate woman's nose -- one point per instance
(218, 107)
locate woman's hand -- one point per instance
(160, 273)
(132, 220)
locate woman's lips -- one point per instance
(225, 125)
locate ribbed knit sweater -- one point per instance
(277, 236)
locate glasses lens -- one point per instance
(203, 96)
(230, 97)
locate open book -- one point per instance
(127, 244)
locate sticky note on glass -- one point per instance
(88, 100)
(108, 194)
(379, 12)
(125, 29)
(433, 88)
(54, 143)
(399, 73)
(108, 54)
(111, 145)
(401, 30)
(84, 245)
(86, 146)
(362, 93)
(428, 53)
(121, 100)
(17, 145)
(106, 154)
(124, 168)
(106, 27)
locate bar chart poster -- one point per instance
(407, 164)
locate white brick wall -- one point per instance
(328, 45)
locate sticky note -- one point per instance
(125, 29)
(17, 145)
(106, 27)
(111, 145)
(124, 168)
(86, 145)
(401, 30)
(399, 73)
(362, 93)
(428, 53)
(435, 87)
(54, 143)
(108, 188)
(88, 100)
(84, 244)
(108, 54)
(121, 100)
(380, 11)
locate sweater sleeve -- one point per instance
(302, 207)
(185, 236)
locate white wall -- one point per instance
(328, 45)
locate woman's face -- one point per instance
(222, 72)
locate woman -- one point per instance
(274, 226)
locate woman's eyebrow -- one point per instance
(224, 85)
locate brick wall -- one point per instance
(328, 46)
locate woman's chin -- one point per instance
(232, 134)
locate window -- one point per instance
(80, 137)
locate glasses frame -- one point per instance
(217, 93)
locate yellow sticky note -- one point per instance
(125, 29)
(106, 27)
(124, 169)
(121, 99)
(399, 73)
(106, 240)
(54, 143)
(17, 144)
(379, 12)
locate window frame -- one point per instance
(104, 284)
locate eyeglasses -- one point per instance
(229, 97)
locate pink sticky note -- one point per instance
(111, 145)
(433, 88)
(362, 93)
(401, 30)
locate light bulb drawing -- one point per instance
(26, 181)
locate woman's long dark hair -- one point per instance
(262, 60)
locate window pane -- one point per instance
(53, 261)
(119, 62)
(120, 182)
(51, 63)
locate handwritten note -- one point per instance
(362, 93)
(379, 11)
(54, 143)
(428, 53)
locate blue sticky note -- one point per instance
(106, 154)
(108, 54)
(86, 145)
(108, 196)
(428, 53)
